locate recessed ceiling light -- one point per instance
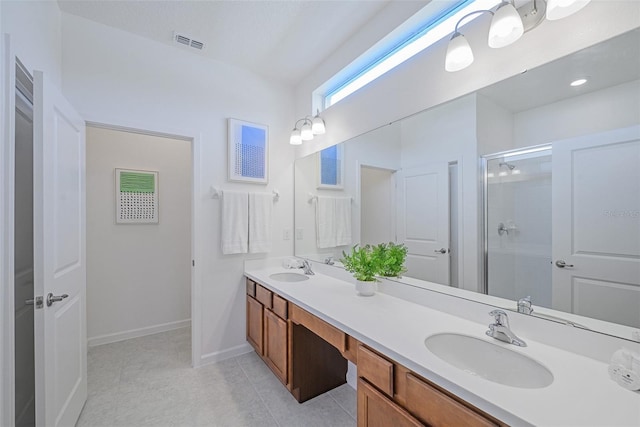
(578, 82)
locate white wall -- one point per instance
(422, 82)
(118, 78)
(36, 36)
(611, 108)
(138, 275)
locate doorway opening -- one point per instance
(139, 275)
(24, 368)
(377, 202)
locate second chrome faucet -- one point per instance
(500, 329)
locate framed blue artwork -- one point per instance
(248, 152)
(331, 168)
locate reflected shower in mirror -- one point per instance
(418, 180)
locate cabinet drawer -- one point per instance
(251, 288)
(265, 296)
(375, 369)
(433, 407)
(327, 332)
(280, 306)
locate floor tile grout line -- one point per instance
(257, 392)
(342, 407)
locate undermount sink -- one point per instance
(489, 361)
(289, 277)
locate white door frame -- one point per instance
(7, 309)
(195, 139)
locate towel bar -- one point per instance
(217, 193)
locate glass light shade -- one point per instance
(459, 54)
(296, 138)
(318, 125)
(558, 9)
(506, 26)
(306, 133)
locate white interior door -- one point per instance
(60, 255)
(423, 221)
(596, 226)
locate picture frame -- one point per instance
(330, 167)
(136, 193)
(248, 152)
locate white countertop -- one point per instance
(581, 394)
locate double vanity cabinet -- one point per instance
(309, 356)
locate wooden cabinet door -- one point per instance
(254, 324)
(376, 410)
(275, 344)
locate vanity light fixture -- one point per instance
(508, 24)
(310, 127)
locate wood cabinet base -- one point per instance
(317, 366)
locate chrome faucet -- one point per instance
(500, 329)
(524, 305)
(306, 267)
(329, 260)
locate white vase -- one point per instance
(366, 289)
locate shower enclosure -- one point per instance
(518, 215)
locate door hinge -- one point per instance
(193, 262)
(39, 302)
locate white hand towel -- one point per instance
(343, 221)
(235, 222)
(325, 222)
(260, 209)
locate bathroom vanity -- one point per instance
(309, 356)
(306, 331)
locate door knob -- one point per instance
(55, 298)
(561, 264)
(440, 251)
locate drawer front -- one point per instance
(265, 296)
(327, 332)
(375, 369)
(280, 306)
(433, 407)
(251, 287)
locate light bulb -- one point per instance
(305, 132)
(295, 138)
(318, 125)
(459, 54)
(506, 26)
(558, 9)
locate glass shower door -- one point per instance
(518, 225)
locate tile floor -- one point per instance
(149, 381)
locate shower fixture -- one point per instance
(509, 165)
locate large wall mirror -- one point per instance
(526, 188)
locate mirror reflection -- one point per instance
(527, 191)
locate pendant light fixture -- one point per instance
(310, 127)
(508, 24)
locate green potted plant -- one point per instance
(364, 263)
(391, 258)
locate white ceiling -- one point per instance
(279, 39)
(606, 64)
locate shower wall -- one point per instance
(519, 228)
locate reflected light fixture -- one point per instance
(310, 127)
(508, 24)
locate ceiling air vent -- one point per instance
(187, 41)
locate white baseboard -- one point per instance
(218, 356)
(135, 333)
